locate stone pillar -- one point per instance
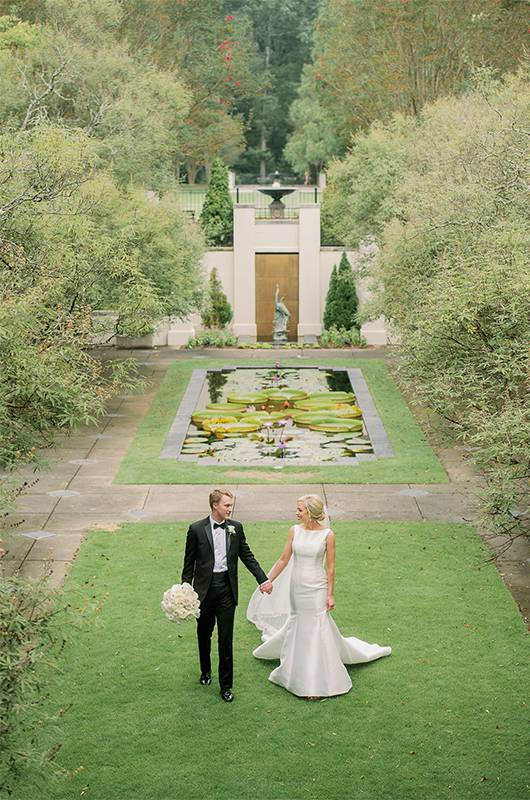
(244, 322)
(309, 312)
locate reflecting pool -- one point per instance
(272, 416)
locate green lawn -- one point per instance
(414, 461)
(442, 717)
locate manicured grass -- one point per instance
(442, 717)
(414, 461)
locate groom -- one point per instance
(213, 546)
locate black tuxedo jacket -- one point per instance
(199, 556)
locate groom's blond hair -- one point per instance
(216, 495)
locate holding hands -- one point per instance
(266, 588)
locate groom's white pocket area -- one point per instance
(180, 603)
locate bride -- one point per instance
(295, 621)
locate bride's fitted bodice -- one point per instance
(309, 581)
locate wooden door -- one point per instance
(272, 269)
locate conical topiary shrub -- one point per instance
(341, 299)
(216, 311)
(217, 216)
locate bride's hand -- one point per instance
(330, 604)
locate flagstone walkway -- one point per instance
(75, 493)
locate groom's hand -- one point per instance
(266, 588)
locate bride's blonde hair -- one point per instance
(314, 505)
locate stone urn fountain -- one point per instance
(276, 191)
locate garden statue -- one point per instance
(281, 319)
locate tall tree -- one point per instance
(313, 141)
(77, 73)
(282, 31)
(373, 58)
(215, 56)
(217, 218)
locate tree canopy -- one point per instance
(450, 213)
(371, 59)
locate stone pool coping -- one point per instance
(179, 428)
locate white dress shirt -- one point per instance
(219, 546)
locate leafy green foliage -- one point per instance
(217, 217)
(341, 300)
(72, 241)
(216, 310)
(453, 272)
(359, 198)
(31, 640)
(73, 70)
(213, 338)
(335, 337)
(374, 59)
(214, 54)
(313, 141)
(281, 31)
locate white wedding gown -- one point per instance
(297, 629)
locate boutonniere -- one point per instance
(231, 530)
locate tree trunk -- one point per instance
(192, 169)
(263, 137)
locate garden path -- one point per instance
(75, 493)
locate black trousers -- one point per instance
(218, 605)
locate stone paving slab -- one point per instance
(364, 488)
(47, 482)
(90, 483)
(371, 506)
(36, 501)
(283, 506)
(17, 548)
(76, 522)
(447, 508)
(61, 547)
(114, 499)
(16, 522)
(269, 493)
(103, 466)
(166, 500)
(33, 570)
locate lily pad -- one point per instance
(336, 396)
(286, 394)
(200, 416)
(193, 450)
(218, 422)
(231, 428)
(337, 427)
(348, 412)
(230, 407)
(262, 416)
(247, 399)
(315, 405)
(314, 418)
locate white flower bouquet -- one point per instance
(181, 602)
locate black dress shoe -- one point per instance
(205, 679)
(226, 695)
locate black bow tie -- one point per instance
(219, 525)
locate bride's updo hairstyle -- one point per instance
(314, 505)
